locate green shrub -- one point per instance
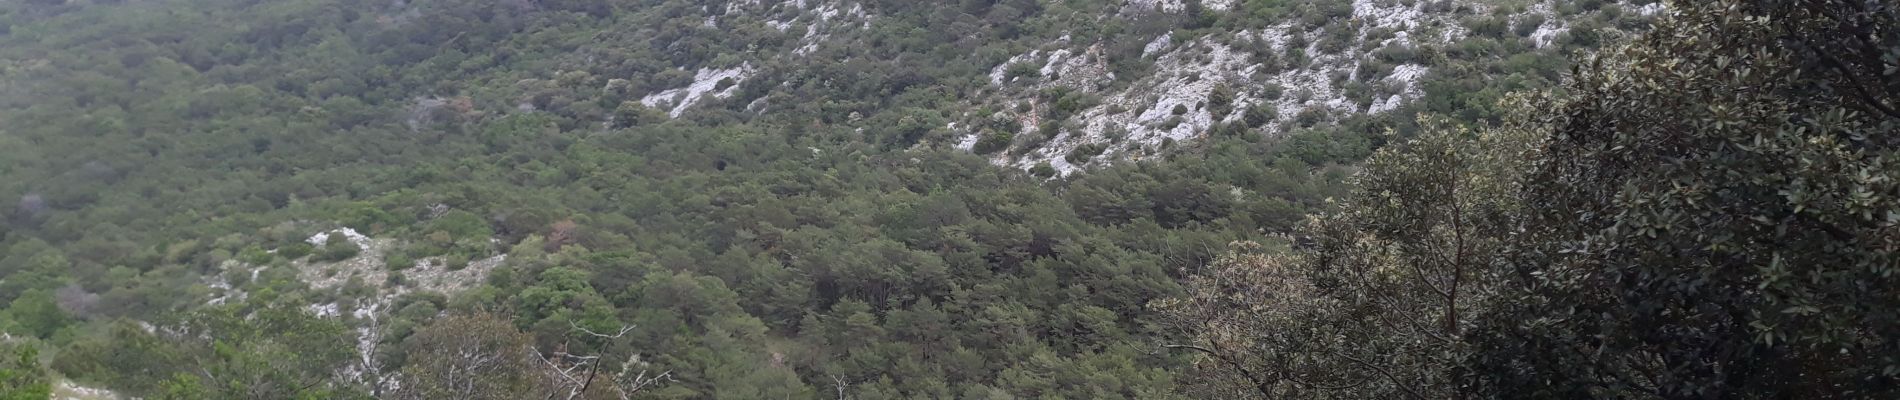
(1220, 101)
(338, 248)
(1272, 91)
(1309, 117)
(456, 262)
(1395, 54)
(255, 255)
(295, 250)
(1491, 27)
(1336, 39)
(1171, 123)
(1043, 170)
(1528, 25)
(1021, 69)
(1045, 131)
(398, 261)
(1260, 114)
(1082, 154)
(396, 278)
(1228, 130)
(993, 142)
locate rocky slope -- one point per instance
(1062, 103)
(1274, 68)
(366, 288)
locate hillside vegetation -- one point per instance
(243, 199)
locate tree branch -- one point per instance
(1859, 91)
(1258, 384)
(1402, 386)
(623, 331)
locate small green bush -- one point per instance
(993, 142)
(1021, 69)
(338, 248)
(1260, 114)
(456, 262)
(255, 255)
(296, 250)
(398, 261)
(1043, 170)
(1082, 154)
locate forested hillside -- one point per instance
(249, 199)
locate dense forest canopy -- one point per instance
(242, 199)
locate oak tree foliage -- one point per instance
(1705, 212)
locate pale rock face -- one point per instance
(967, 142)
(225, 292)
(1187, 72)
(1548, 31)
(1001, 72)
(327, 310)
(370, 268)
(356, 238)
(1406, 77)
(705, 83)
(32, 204)
(1653, 9)
(1371, 12)
(1153, 5)
(827, 18)
(1555, 25)
(1175, 5)
(821, 19)
(421, 113)
(1085, 70)
(67, 390)
(1160, 44)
